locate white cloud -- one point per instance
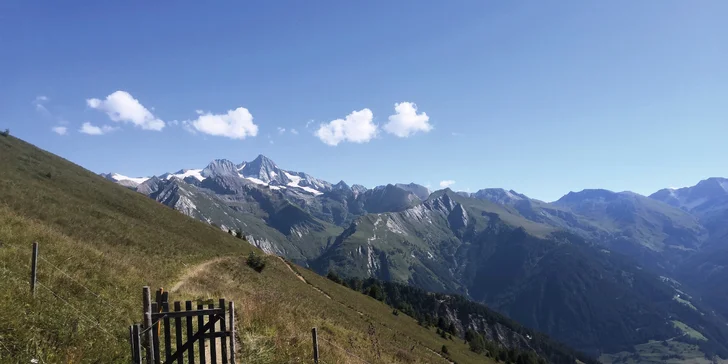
(357, 127)
(294, 131)
(90, 129)
(122, 107)
(281, 130)
(38, 102)
(199, 112)
(406, 121)
(236, 124)
(60, 130)
(308, 123)
(446, 183)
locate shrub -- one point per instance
(444, 350)
(395, 312)
(404, 356)
(5, 133)
(256, 262)
(239, 234)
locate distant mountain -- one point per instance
(421, 192)
(652, 232)
(284, 212)
(596, 269)
(556, 282)
(499, 195)
(708, 201)
(705, 272)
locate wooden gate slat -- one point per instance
(200, 325)
(213, 344)
(155, 334)
(191, 351)
(167, 334)
(178, 331)
(223, 328)
(131, 342)
(137, 344)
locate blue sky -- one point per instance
(540, 97)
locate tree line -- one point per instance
(435, 310)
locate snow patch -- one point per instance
(295, 180)
(197, 173)
(311, 190)
(255, 180)
(137, 180)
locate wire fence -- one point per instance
(89, 319)
(94, 321)
(73, 279)
(347, 352)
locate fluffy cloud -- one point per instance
(294, 131)
(90, 129)
(357, 127)
(281, 130)
(446, 183)
(236, 124)
(60, 130)
(122, 107)
(406, 121)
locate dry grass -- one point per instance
(111, 241)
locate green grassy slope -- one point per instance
(109, 241)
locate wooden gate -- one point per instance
(188, 335)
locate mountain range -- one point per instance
(602, 271)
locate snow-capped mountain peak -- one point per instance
(124, 180)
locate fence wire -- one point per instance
(73, 279)
(92, 320)
(347, 352)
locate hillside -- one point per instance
(107, 241)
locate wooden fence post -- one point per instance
(147, 298)
(34, 269)
(315, 345)
(136, 344)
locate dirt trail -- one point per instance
(193, 271)
(301, 277)
(438, 354)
